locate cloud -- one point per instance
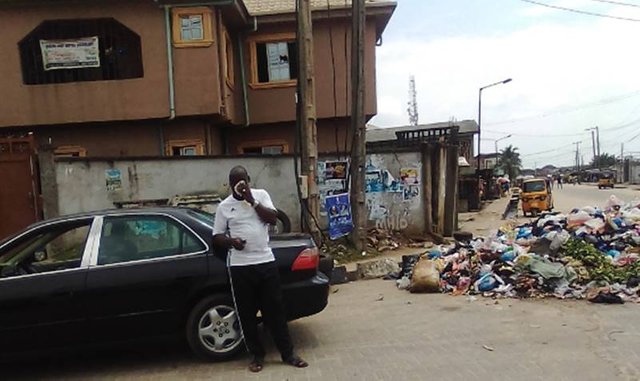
(552, 66)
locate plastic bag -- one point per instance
(578, 219)
(426, 277)
(613, 203)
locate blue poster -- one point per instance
(339, 211)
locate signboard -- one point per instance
(70, 54)
(339, 211)
(113, 179)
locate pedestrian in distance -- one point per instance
(241, 226)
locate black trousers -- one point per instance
(257, 287)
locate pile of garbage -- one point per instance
(591, 253)
(380, 240)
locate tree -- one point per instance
(604, 160)
(510, 162)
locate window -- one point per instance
(60, 51)
(70, 151)
(266, 147)
(188, 147)
(228, 55)
(192, 27)
(133, 238)
(53, 248)
(274, 61)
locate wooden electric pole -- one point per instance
(307, 104)
(358, 128)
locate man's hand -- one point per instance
(238, 243)
(245, 191)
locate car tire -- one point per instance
(213, 329)
(282, 226)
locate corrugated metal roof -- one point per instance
(270, 7)
(380, 134)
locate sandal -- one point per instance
(296, 361)
(256, 365)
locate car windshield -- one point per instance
(534, 186)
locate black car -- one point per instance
(133, 273)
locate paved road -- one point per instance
(572, 196)
(402, 337)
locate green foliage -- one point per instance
(510, 162)
(604, 160)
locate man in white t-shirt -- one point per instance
(242, 226)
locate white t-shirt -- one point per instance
(239, 219)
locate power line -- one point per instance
(580, 11)
(618, 3)
(601, 102)
(533, 135)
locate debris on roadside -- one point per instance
(592, 253)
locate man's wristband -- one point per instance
(255, 203)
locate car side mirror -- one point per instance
(40, 256)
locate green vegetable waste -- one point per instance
(599, 265)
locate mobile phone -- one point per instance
(236, 188)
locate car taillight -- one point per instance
(308, 259)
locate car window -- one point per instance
(132, 238)
(52, 248)
(536, 186)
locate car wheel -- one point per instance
(213, 329)
(283, 225)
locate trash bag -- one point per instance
(578, 219)
(426, 277)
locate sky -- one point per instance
(570, 72)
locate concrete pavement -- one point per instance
(372, 331)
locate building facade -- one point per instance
(148, 78)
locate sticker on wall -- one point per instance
(113, 179)
(330, 188)
(320, 176)
(336, 170)
(375, 206)
(339, 211)
(373, 181)
(409, 176)
(411, 192)
(391, 184)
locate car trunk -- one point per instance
(286, 249)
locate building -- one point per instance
(140, 78)
(488, 160)
(466, 132)
(397, 138)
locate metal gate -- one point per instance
(19, 195)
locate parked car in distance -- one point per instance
(134, 273)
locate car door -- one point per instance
(42, 277)
(145, 268)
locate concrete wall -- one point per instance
(393, 203)
(82, 184)
(197, 81)
(128, 138)
(272, 105)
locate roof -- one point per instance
(271, 7)
(379, 134)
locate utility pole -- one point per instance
(598, 139)
(593, 145)
(358, 128)
(307, 104)
(413, 102)
(621, 175)
(577, 155)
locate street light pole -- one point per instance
(480, 117)
(496, 142)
